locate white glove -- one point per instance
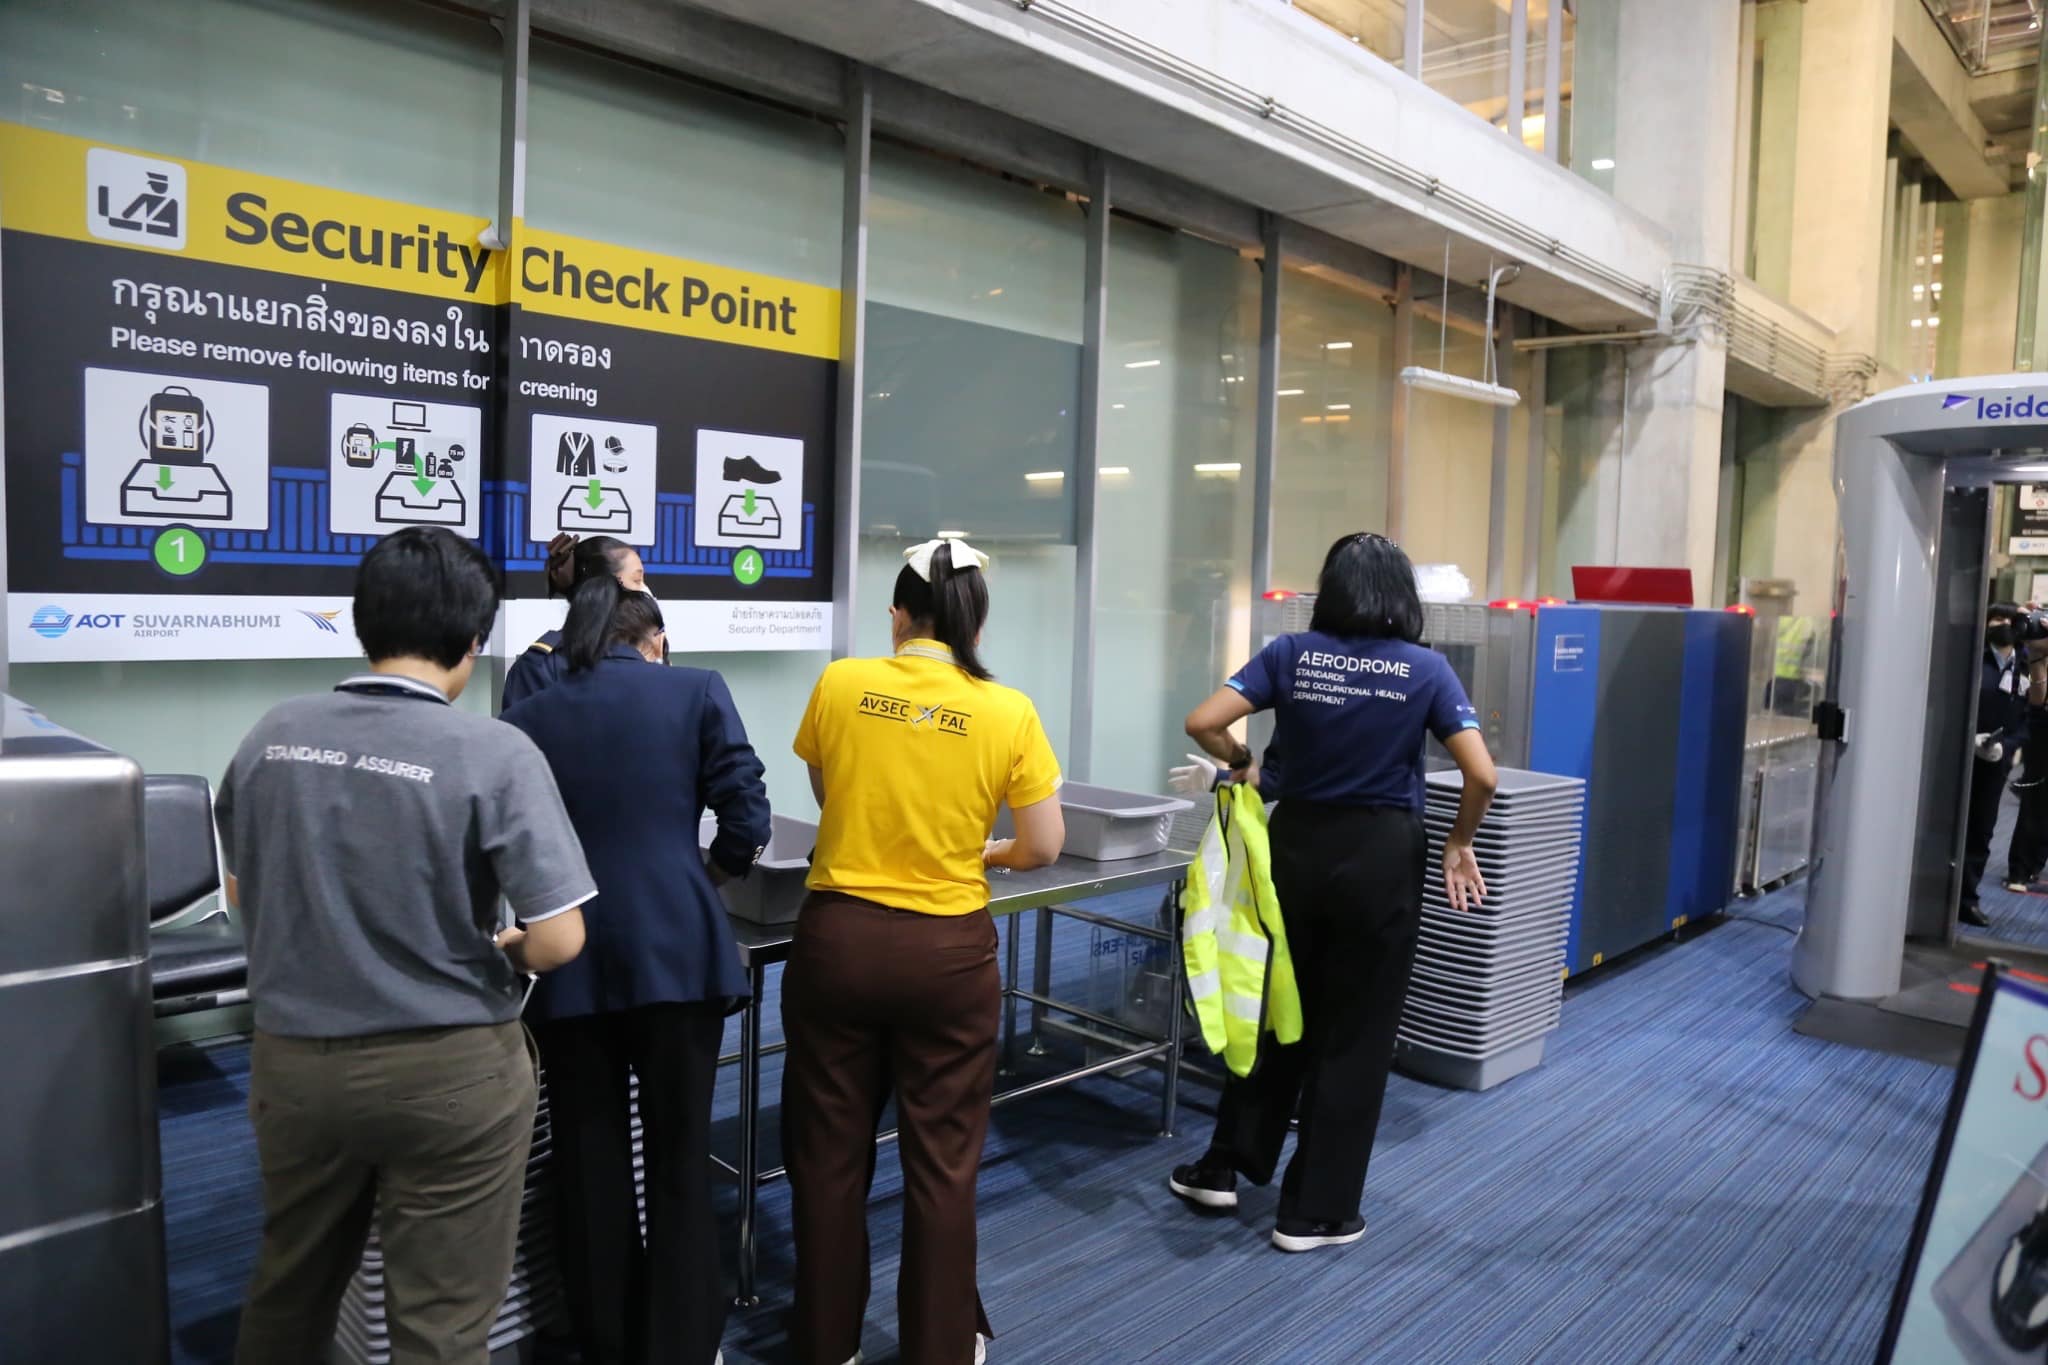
(1989, 748)
(1197, 779)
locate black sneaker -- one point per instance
(1299, 1234)
(1972, 916)
(1208, 1183)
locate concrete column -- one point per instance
(1674, 148)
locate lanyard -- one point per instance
(921, 652)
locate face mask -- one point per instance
(1998, 636)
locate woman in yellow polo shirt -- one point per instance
(892, 984)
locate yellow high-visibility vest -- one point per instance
(1240, 975)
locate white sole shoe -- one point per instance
(1208, 1199)
(1290, 1243)
(980, 1349)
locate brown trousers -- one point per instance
(431, 1130)
(876, 1001)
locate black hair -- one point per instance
(2009, 610)
(954, 603)
(1367, 591)
(603, 614)
(573, 562)
(424, 593)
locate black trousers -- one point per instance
(661, 1302)
(2028, 853)
(1350, 885)
(1987, 788)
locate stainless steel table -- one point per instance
(1050, 891)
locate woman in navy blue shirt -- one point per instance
(1355, 699)
(639, 752)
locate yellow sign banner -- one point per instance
(56, 185)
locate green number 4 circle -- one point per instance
(180, 551)
(748, 566)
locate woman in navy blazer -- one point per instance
(640, 751)
(570, 563)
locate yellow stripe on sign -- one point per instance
(51, 184)
(232, 217)
(573, 277)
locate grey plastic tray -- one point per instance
(1105, 825)
(775, 891)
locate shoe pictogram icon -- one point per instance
(747, 469)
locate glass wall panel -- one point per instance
(973, 383)
(1535, 130)
(1375, 25)
(1765, 232)
(1450, 450)
(1335, 414)
(1465, 56)
(595, 128)
(1596, 80)
(1173, 562)
(378, 97)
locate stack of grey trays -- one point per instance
(1489, 983)
(533, 1300)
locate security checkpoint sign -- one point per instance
(1987, 1186)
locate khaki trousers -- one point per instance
(428, 1129)
(878, 1002)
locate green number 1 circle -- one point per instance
(180, 551)
(748, 567)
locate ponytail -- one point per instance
(954, 603)
(587, 633)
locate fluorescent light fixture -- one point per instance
(1313, 419)
(1918, 290)
(1934, 322)
(1603, 163)
(1336, 345)
(1916, 322)
(1230, 467)
(952, 535)
(1045, 476)
(1338, 417)
(995, 293)
(1139, 364)
(1287, 393)
(1115, 471)
(1116, 405)
(1457, 386)
(1338, 407)
(1937, 258)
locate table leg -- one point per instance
(1170, 1099)
(750, 1136)
(1041, 975)
(1010, 961)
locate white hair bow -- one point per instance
(965, 556)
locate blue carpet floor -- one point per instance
(1685, 1179)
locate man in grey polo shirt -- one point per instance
(370, 833)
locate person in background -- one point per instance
(892, 984)
(2028, 851)
(369, 833)
(571, 563)
(1355, 699)
(640, 752)
(2001, 726)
